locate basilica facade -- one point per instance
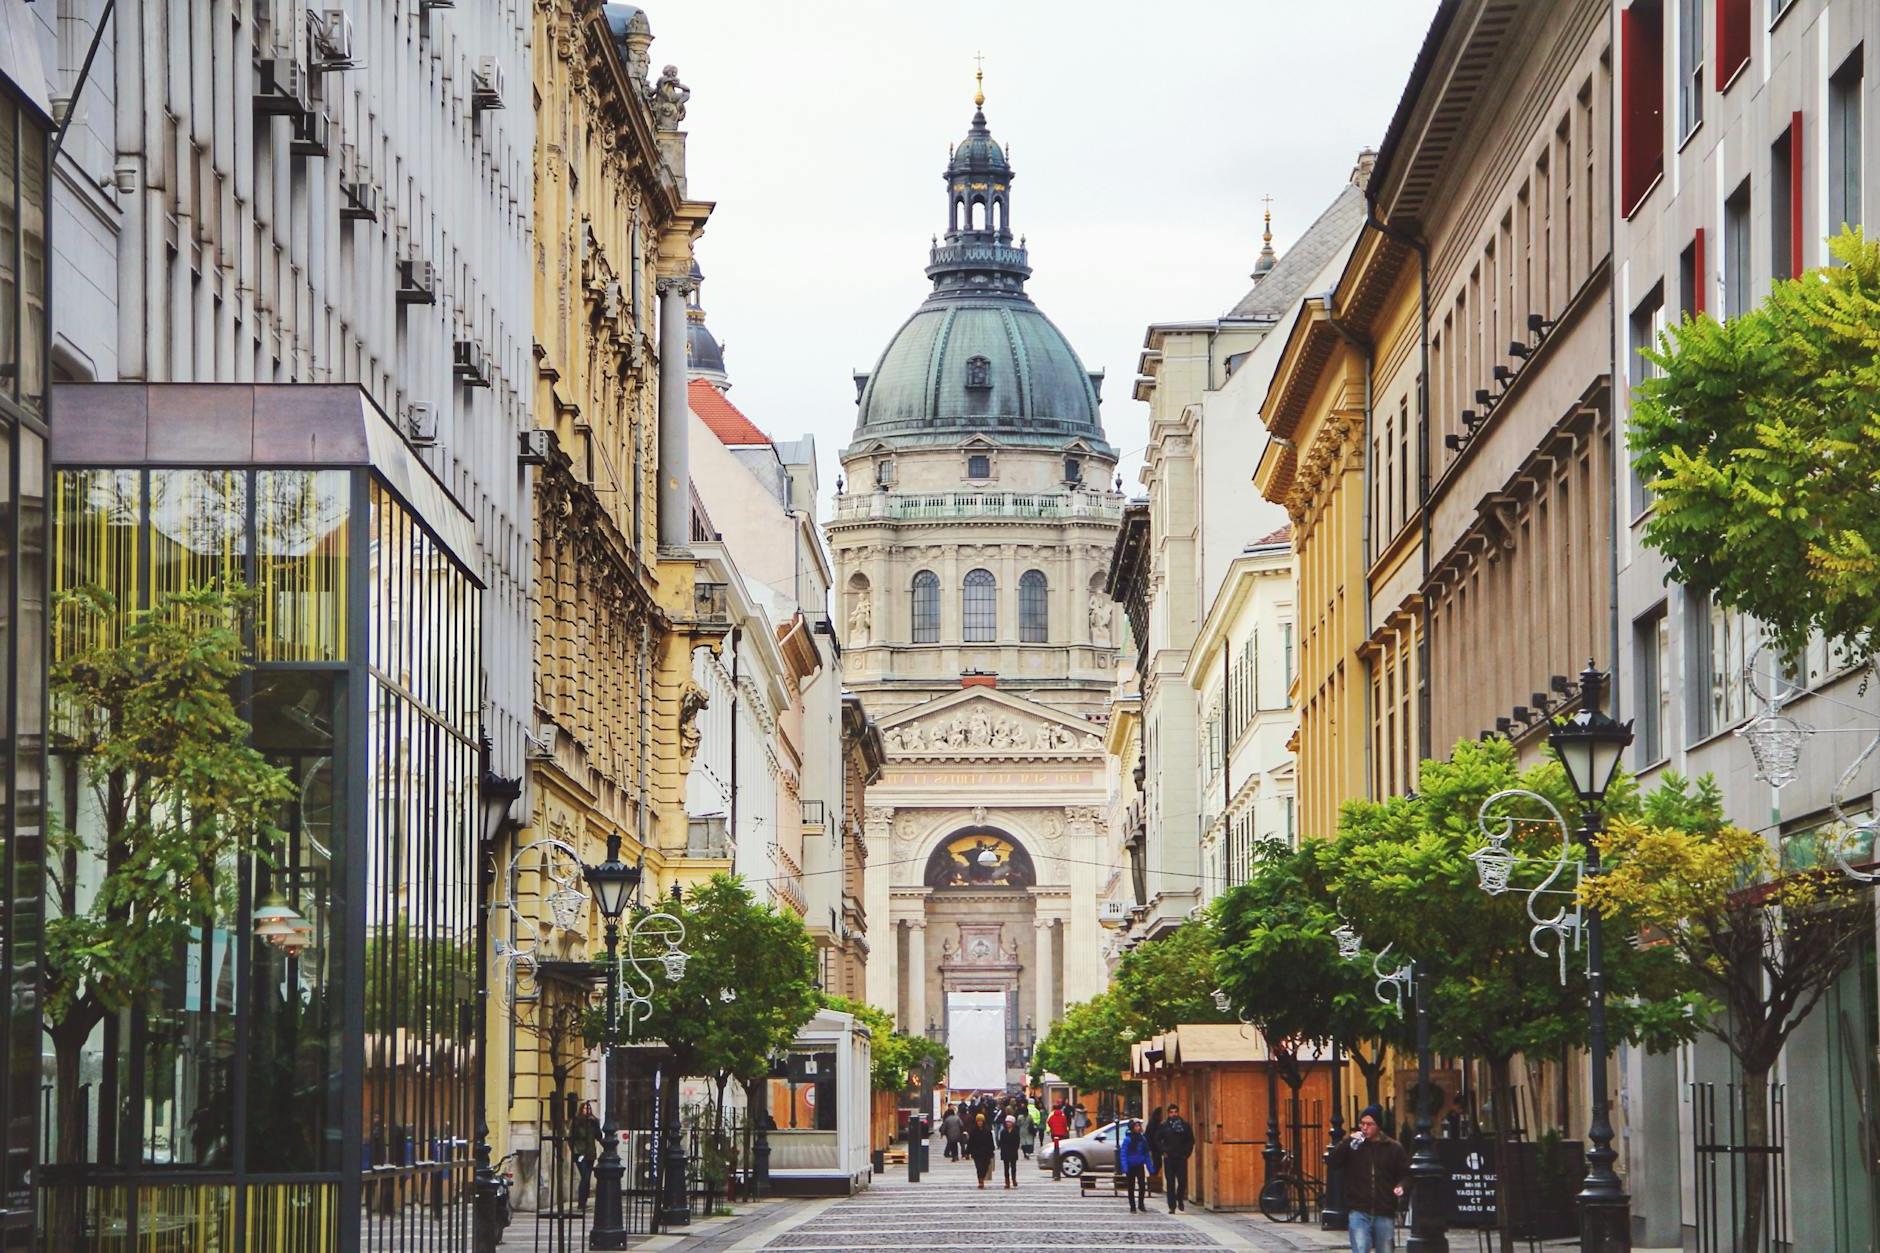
(971, 536)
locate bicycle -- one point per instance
(1291, 1196)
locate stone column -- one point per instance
(916, 975)
(675, 488)
(1041, 981)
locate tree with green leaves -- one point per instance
(1280, 962)
(175, 799)
(1088, 1047)
(750, 984)
(1401, 873)
(1760, 440)
(1763, 944)
(1157, 986)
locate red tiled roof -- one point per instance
(725, 419)
(1281, 536)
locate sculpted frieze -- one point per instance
(966, 730)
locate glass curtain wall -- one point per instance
(266, 1091)
(25, 300)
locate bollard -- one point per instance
(913, 1150)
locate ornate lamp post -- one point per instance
(611, 883)
(1589, 746)
(1429, 1217)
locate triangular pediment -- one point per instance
(988, 722)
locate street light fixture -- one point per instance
(1589, 746)
(610, 883)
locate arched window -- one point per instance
(1034, 608)
(926, 608)
(981, 605)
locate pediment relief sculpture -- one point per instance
(965, 730)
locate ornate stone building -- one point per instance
(617, 604)
(970, 550)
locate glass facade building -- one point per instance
(323, 1098)
(25, 310)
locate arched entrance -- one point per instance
(981, 906)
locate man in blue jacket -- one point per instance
(1133, 1160)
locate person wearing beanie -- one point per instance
(1376, 1171)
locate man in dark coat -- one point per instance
(1376, 1170)
(1178, 1145)
(979, 1143)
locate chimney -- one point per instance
(1361, 172)
(979, 678)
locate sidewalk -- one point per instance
(700, 1235)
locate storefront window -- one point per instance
(301, 534)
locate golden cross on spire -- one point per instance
(1269, 217)
(979, 76)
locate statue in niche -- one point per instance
(1100, 611)
(861, 619)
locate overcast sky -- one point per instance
(1142, 135)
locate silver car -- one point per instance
(1094, 1150)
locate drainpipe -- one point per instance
(1422, 249)
(1369, 351)
(737, 697)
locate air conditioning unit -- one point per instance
(1112, 911)
(281, 87)
(535, 447)
(417, 282)
(486, 84)
(359, 202)
(540, 746)
(421, 423)
(469, 364)
(312, 135)
(333, 41)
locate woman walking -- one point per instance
(1133, 1160)
(1027, 1128)
(953, 1129)
(1009, 1137)
(979, 1144)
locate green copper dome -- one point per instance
(978, 357)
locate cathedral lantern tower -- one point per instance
(972, 531)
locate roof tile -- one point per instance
(725, 419)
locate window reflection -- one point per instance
(300, 540)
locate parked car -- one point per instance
(1094, 1150)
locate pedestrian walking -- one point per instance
(1009, 1137)
(1080, 1119)
(1376, 1169)
(584, 1135)
(953, 1129)
(979, 1143)
(1060, 1126)
(1028, 1128)
(1133, 1160)
(1153, 1134)
(1178, 1142)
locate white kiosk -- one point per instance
(821, 1105)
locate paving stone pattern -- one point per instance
(945, 1211)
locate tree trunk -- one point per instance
(1756, 1165)
(66, 1212)
(1501, 1094)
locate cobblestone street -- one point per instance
(945, 1211)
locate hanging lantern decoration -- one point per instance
(1350, 943)
(281, 926)
(1494, 864)
(1775, 743)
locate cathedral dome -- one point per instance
(978, 357)
(704, 355)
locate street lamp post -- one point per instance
(611, 883)
(1589, 746)
(498, 796)
(1332, 1208)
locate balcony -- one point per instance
(939, 506)
(707, 837)
(815, 814)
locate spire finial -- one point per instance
(979, 77)
(1267, 259)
